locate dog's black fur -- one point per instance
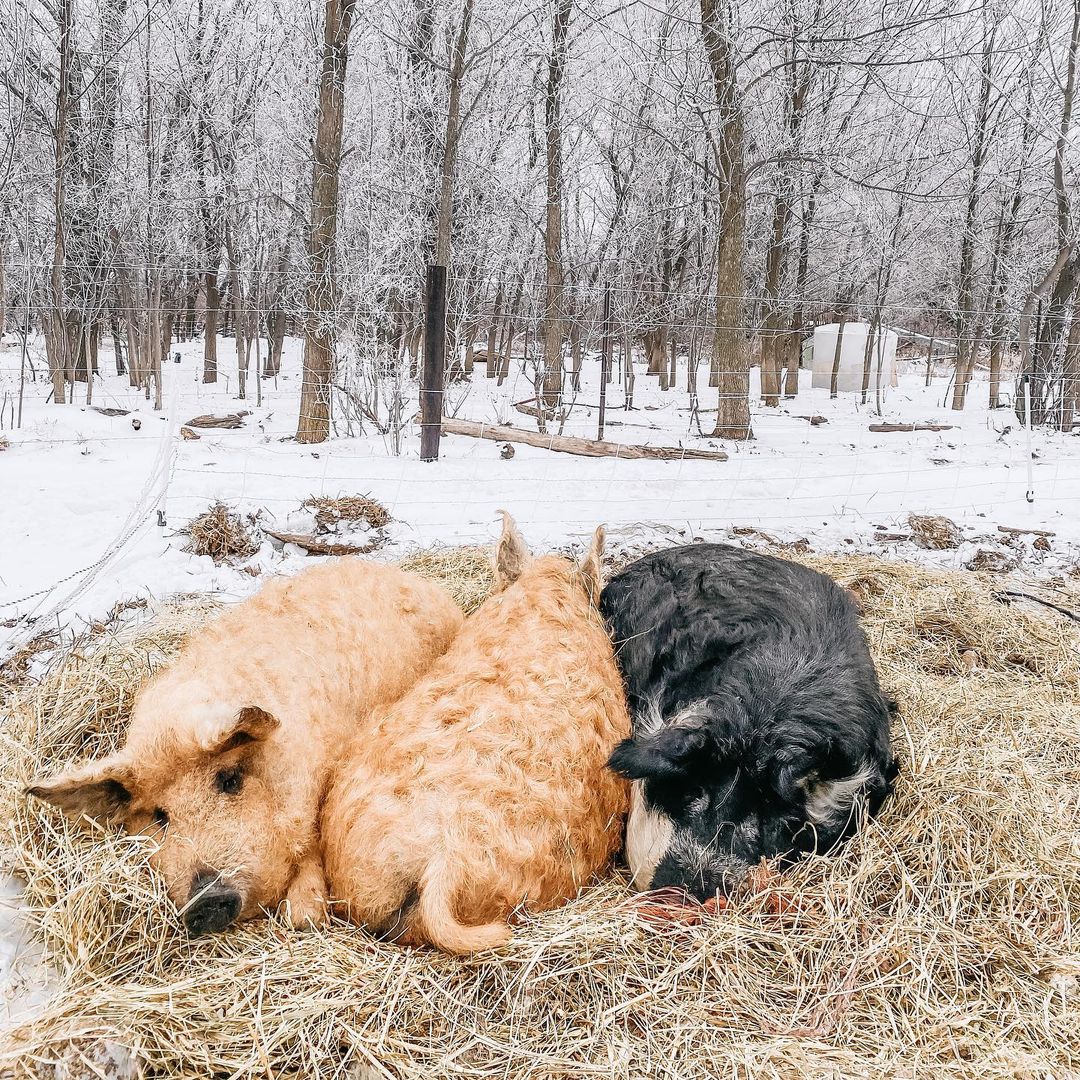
(760, 729)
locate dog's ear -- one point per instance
(511, 554)
(101, 789)
(673, 751)
(591, 566)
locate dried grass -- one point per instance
(465, 571)
(329, 512)
(941, 943)
(933, 532)
(222, 534)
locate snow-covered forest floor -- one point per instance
(82, 490)
(77, 484)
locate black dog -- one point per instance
(759, 726)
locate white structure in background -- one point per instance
(852, 356)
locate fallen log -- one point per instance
(314, 546)
(534, 411)
(232, 421)
(911, 427)
(568, 444)
(1025, 532)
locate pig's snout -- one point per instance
(213, 906)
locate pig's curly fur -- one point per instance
(306, 657)
(484, 788)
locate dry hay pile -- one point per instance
(942, 942)
(933, 532)
(350, 509)
(222, 534)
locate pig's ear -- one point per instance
(251, 724)
(101, 789)
(673, 751)
(511, 554)
(591, 568)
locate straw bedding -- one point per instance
(941, 943)
(222, 534)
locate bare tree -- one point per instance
(980, 137)
(322, 296)
(730, 347)
(1062, 278)
(554, 300)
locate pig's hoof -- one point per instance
(306, 912)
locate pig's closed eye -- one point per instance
(161, 819)
(230, 781)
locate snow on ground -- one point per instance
(77, 483)
(82, 490)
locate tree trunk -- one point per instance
(210, 326)
(691, 368)
(868, 354)
(774, 264)
(322, 296)
(453, 136)
(965, 358)
(1070, 375)
(653, 340)
(507, 332)
(239, 317)
(491, 367)
(1027, 373)
(553, 290)
(834, 377)
(57, 344)
(576, 350)
(802, 273)
(118, 356)
(276, 319)
(1037, 365)
(793, 359)
(275, 331)
(731, 351)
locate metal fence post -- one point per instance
(431, 378)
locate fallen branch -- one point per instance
(314, 546)
(1024, 532)
(815, 420)
(911, 427)
(1008, 596)
(533, 410)
(749, 530)
(567, 444)
(233, 420)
